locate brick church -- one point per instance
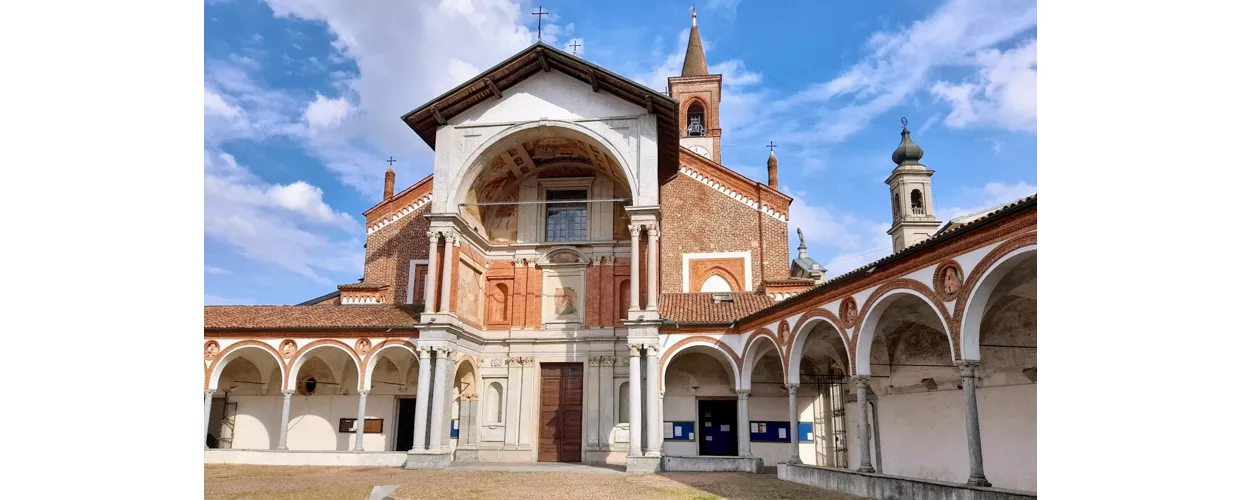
(583, 279)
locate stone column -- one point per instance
(445, 287)
(438, 444)
(428, 295)
(288, 401)
(592, 398)
(607, 400)
(742, 407)
(635, 400)
(863, 413)
(652, 267)
(653, 425)
(206, 417)
(635, 304)
(420, 406)
(968, 379)
(793, 418)
(361, 418)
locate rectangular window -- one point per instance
(566, 215)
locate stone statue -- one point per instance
(801, 236)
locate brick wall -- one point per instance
(698, 219)
(389, 250)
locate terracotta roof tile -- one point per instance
(363, 286)
(261, 317)
(701, 308)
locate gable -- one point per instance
(550, 95)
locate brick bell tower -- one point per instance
(698, 93)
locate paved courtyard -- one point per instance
(542, 482)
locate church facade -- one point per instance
(581, 279)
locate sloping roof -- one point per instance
(308, 317)
(695, 57)
(363, 286)
(321, 298)
(426, 119)
(701, 308)
(946, 234)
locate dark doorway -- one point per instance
(717, 427)
(560, 423)
(406, 410)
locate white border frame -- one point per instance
(686, 257)
(413, 267)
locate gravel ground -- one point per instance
(345, 483)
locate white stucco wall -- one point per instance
(313, 422)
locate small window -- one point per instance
(566, 215)
(915, 198)
(624, 403)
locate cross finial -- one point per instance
(575, 45)
(904, 122)
(772, 146)
(693, 12)
(540, 13)
(390, 161)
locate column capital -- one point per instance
(652, 350)
(424, 352)
(743, 394)
(861, 379)
(968, 367)
(433, 236)
(635, 350)
(208, 392)
(363, 392)
(635, 230)
(607, 361)
(652, 230)
(518, 263)
(288, 393)
(792, 388)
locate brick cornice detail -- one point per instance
(743, 195)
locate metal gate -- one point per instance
(830, 436)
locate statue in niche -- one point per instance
(565, 301)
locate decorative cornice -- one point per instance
(411, 208)
(745, 200)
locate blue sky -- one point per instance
(303, 102)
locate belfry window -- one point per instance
(697, 121)
(566, 215)
(918, 207)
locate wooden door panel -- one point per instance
(560, 412)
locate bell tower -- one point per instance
(698, 93)
(912, 205)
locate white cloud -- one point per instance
(989, 196)
(324, 113)
(216, 270)
(1005, 94)
(268, 223)
(838, 240)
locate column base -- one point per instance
(427, 460)
(643, 464)
(978, 481)
(281, 448)
(866, 469)
(793, 461)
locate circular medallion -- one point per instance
(211, 349)
(848, 312)
(948, 281)
(288, 348)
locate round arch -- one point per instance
(800, 335)
(980, 285)
(753, 351)
(722, 273)
(299, 359)
(705, 345)
(372, 358)
(474, 168)
(874, 308)
(216, 368)
(473, 367)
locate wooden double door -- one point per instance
(560, 419)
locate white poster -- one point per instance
(667, 428)
(753, 427)
(676, 430)
(708, 438)
(707, 425)
(725, 428)
(782, 433)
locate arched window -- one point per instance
(497, 304)
(895, 206)
(918, 207)
(495, 403)
(697, 121)
(716, 283)
(624, 403)
(624, 298)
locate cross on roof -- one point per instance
(390, 161)
(772, 146)
(574, 45)
(540, 13)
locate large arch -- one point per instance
(534, 129)
(981, 285)
(873, 311)
(705, 345)
(242, 348)
(800, 334)
(754, 350)
(303, 354)
(372, 358)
